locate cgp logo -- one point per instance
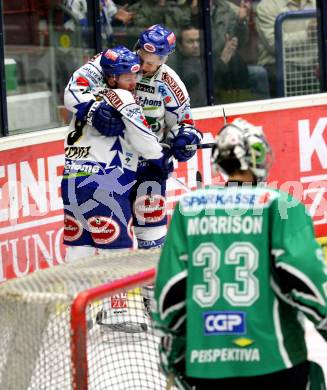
(224, 322)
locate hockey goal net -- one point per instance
(82, 325)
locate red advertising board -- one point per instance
(31, 221)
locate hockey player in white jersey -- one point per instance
(166, 106)
(101, 159)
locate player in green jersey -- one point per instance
(239, 270)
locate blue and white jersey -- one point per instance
(88, 152)
(165, 102)
(84, 84)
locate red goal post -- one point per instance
(79, 326)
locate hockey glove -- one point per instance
(187, 136)
(105, 119)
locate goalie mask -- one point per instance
(242, 146)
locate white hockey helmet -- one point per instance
(242, 146)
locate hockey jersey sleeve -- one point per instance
(137, 133)
(178, 112)
(84, 84)
(299, 267)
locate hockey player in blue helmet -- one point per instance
(101, 161)
(166, 106)
(105, 69)
(97, 91)
(118, 61)
(154, 46)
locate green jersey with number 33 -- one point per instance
(239, 267)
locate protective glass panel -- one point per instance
(288, 46)
(180, 16)
(44, 43)
(246, 50)
(300, 60)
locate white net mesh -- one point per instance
(122, 352)
(300, 58)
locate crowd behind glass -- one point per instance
(46, 40)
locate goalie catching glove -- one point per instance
(186, 136)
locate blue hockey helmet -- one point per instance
(157, 40)
(119, 60)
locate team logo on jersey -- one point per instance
(111, 98)
(73, 229)
(82, 82)
(103, 230)
(77, 151)
(150, 208)
(149, 47)
(243, 342)
(224, 322)
(174, 87)
(145, 88)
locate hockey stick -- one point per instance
(186, 188)
(180, 183)
(189, 148)
(208, 145)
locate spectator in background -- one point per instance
(235, 80)
(169, 13)
(229, 34)
(258, 76)
(108, 13)
(295, 32)
(189, 64)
